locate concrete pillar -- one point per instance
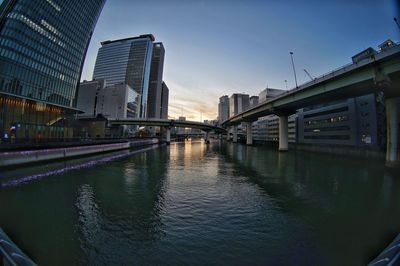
(235, 133)
(249, 135)
(283, 133)
(392, 128)
(168, 135)
(206, 140)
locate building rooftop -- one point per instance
(151, 36)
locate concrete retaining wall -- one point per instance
(25, 157)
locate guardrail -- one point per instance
(390, 256)
(10, 254)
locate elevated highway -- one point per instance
(378, 72)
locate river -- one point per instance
(196, 204)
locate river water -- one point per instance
(196, 204)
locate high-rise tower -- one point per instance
(42, 49)
(127, 61)
(156, 80)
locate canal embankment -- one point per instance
(332, 149)
(29, 156)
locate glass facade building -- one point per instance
(127, 61)
(43, 45)
(156, 79)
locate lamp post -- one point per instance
(286, 83)
(294, 70)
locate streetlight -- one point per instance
(294, 70)
(286, 83)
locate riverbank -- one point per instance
(24, 157)
(342, 150)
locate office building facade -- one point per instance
(164, 101)
(156, 82)
(238, 103)
(127, 61)
(223, 108)
(87, 96)
(117, 101)
(268, 94)
(253, 101)
(353, 121)
(42, 49)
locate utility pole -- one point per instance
(294, 70)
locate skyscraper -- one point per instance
(156, 81)
(223, 108)
(238, 103)
(42, 49)
(164, 101)
(127, 61)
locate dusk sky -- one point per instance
(217, 47)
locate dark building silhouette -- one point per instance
(156, 80)
(164, 101)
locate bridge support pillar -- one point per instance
(392, 128)
(235, 133)
(283, 133)
(206, 137)
(249, 134)
(168, 135)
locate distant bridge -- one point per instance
(380, 71)
(168, 123)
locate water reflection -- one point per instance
(197, 204)
(127, 208)
(344, 200)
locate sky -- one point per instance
(221, 47)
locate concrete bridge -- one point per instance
(378, 72)
(167, 124)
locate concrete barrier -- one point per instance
(25, 157)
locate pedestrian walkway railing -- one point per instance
(390, 256)
(10, 254)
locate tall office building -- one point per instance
(164, 101)
(42, 49)
(238, 103)
(127, 61)
(156, 81)
(223, 108)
